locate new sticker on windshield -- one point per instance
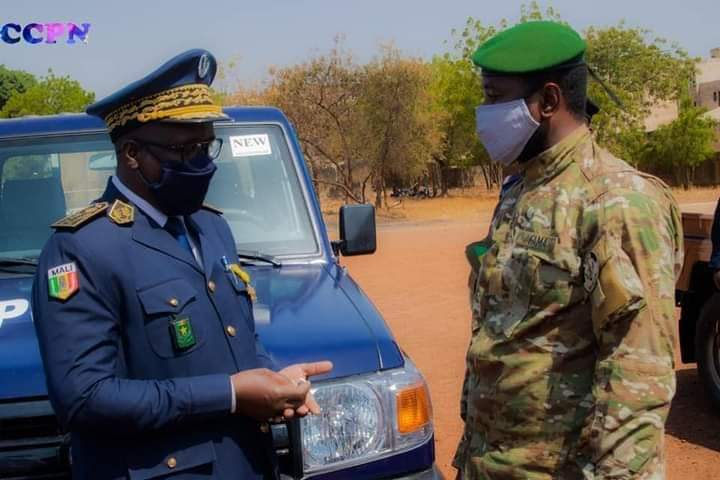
(250, 145)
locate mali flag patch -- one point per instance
(63, 281)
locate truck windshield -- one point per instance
(256, 186)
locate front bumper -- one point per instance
(431, 474)
(31, 446)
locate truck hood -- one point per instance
(317, 312)
(303, 313)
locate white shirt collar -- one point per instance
(159, 217)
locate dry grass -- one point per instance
(470, 204)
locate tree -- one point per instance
(13, 82)
(50, 96)
(395, 124)
(320, 98)
(456, 90)
(683, 144)
(641, 70)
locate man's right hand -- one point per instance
(263, 394)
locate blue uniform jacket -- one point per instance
(136, 406)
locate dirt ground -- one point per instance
(418, 280)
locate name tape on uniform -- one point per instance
(250, 145)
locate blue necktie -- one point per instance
(177, 229)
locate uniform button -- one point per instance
(264, 427)
(171, 462)
(174, 302)
(230, 330)
(211, 286)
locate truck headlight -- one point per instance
(365, 418)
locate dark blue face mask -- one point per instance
(183, 186)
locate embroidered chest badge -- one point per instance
(63, 281)
(181, 332)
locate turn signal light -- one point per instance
(413, 409)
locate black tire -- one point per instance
(707, 349)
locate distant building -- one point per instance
(705, 91)
(707, 82)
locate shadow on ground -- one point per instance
(692, 418)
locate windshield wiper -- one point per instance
(13, 262)
(258, 257)
(18, 265)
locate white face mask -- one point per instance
(504, 129)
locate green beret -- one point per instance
(531, 47)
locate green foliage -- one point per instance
(641, 70)
(683, 144)
(13, 82)
(456, 89)
(396, 127)
(50, 96)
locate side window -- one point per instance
(84, 176)
(29, 167)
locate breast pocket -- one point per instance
(556, 280)
(532, 285)
(170, 326)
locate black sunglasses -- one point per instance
(188, 151)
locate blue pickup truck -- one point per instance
(377, 418)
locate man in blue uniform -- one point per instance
(144, 318)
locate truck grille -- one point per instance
(31, 444)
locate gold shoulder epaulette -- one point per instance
(74, 220)
(212, 208)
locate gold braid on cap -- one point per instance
(187, 101)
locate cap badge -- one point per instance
(203, 66)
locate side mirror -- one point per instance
(357, 230)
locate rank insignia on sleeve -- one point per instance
(591, 270)
(63, 281)
(121, 213)
(182, 333)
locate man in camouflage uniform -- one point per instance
(570, 368)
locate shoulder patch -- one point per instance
(63, 281)
(121, 213)
(77, 219)
(212, 208)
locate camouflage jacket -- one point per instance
(570, 368)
